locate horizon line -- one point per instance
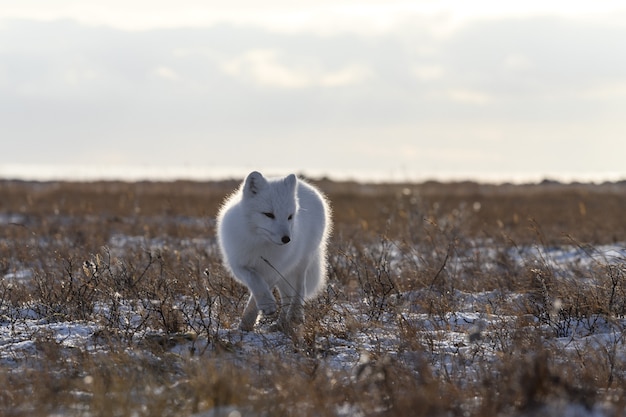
(142, 172)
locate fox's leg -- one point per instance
(261, 296)
(313, 276)
(307, 283)
(261, 292)
(250, 314)
(292, 300)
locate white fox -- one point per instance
(273, 233)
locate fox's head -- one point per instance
(271, 206)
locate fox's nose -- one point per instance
(286, 239)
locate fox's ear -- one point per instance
(290, 181)
(255, 182)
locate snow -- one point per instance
(471, 334)
(11, 218)
(20, 275)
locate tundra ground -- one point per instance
(442, 299)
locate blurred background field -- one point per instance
(591, 213)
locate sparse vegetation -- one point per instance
(442, 299)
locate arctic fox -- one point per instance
(273, 233)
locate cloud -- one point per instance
(363, 17)
(468, 96)
(426, 72)
(266, 68)
(507, 89)
(517, 62)
(166, 73)
(261, 66)
(350, 75)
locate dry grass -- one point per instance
(137, 265)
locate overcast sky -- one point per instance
(400, 90)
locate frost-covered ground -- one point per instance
(470, 332)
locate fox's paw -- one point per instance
(290, 329)
(246, 326)
(297, 315)
(277, 326)
(249, 319)
(269, 317)
(269, 309)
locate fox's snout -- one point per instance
(282, 235)
(278, 237)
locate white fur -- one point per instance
(273, 233)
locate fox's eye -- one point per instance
(290, 217)
(269, 214)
